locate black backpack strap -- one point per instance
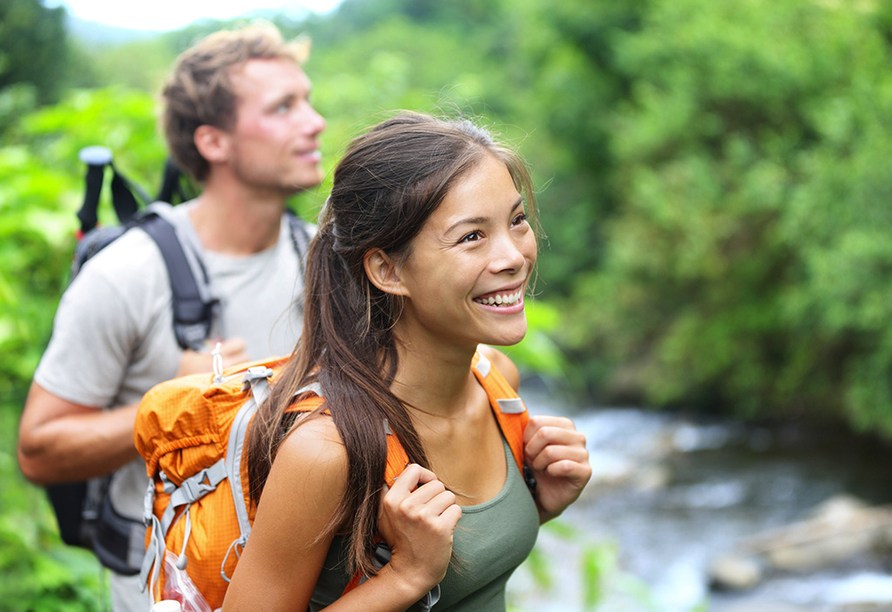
(171, 189)
(123, 199)
(88, 214)
(192, 313)
(300, 237)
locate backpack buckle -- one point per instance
(255, 373)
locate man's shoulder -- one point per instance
(132, 258)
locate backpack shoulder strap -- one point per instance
(300, 235)
(311, 399)
(509, 409)
(123, 199)
(193, 312)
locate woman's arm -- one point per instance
(284, 556)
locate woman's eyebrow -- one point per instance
(469, 221)
(475, 220)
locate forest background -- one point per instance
(714, 181)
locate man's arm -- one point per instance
(60, 441)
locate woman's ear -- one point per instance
(383, 272)
(212, 143)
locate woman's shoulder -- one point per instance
(502, 363)
(313, 455)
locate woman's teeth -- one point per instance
(503, 300)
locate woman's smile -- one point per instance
(505, 301)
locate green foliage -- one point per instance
(38, 573)
(15, 101)
(746, 263)
(38, 201)
(32, 47)
(40, 193)
(538, 353)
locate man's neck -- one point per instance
(232, 220)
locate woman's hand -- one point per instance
(417, 519)
(557, 455)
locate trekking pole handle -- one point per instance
(96, 158)
(95, 155)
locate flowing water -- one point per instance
(670, 493)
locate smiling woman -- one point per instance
(423, 257)
(163, 15)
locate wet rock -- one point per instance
(734, 572)
(652, 478)
(838, 530)
(612, 470)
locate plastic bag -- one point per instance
(179, 587)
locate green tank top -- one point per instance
(491, 540)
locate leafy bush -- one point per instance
(749, 255)
(40, 193)
(38, 572)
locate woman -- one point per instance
(424, 252)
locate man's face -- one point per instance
(274, 144)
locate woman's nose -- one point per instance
(510, 253)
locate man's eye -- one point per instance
(283, 107)
(471, 237)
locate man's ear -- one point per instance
(212, 143)
(383, 272)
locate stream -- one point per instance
(669, 493)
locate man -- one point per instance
(237, 117)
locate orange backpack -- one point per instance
(192, 433)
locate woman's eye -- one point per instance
(471, 237)
(519, 219)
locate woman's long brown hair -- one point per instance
(386, 186)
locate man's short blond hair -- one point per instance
(199, 91)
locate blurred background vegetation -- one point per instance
(715, 184)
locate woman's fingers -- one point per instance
(412, 476)
(557, 458)
(417, 493)
(543, 431)
(418, 518)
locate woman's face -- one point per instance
(468, 268)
